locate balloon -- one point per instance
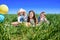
(1, 18)
(3, 9)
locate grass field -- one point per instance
(21, 32)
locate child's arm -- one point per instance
(46, 20)
(27, 24)
(18, 19)
(36, 21)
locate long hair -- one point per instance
(34, 18)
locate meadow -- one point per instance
(21, 32)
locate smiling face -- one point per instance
(21, 13)
(42, 15)
(31, 15)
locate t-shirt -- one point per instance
(43, 20)
(22, 19)
(32, 22)
(38, 19)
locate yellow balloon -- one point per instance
(3, 9)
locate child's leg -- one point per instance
(15, 23)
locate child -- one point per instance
(31, 20)
(42, 18)
(21, 17)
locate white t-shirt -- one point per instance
(24, 19)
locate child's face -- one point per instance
(21, 13)
(31, 15)
(42, 16)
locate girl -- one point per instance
(42, 18)
(21, 17)
(31, 20)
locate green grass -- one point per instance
(21, 32)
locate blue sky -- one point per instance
(49, 6)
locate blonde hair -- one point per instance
(43, 13)
(21, 10)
